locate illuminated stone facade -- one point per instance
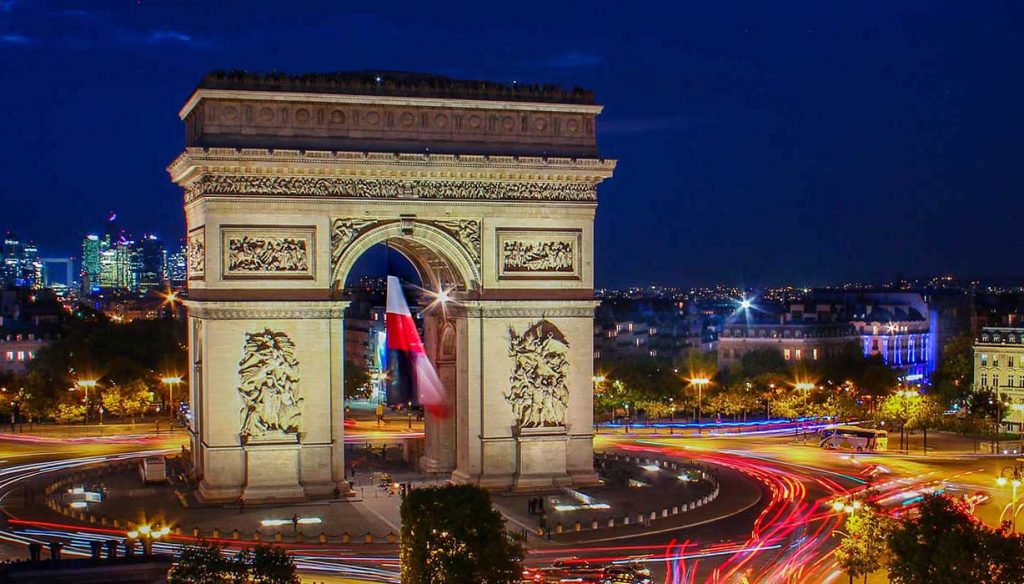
(288, 184)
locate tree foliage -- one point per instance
(954, 376)
(128, 400)
(863, 549)
(947, 545)
(452, 534)
(69, 412)
(208, 563)
(357, 381)
(92, 346)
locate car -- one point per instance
(626, 574)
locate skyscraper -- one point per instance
(90, 263)
(19, 263)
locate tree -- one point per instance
(203, 563)
(863, 548)
(945, 544)
(269, 565)
(954, 375)
(69, 412)
(762, 361)
(452, 534)
(645, 382)
(208, 563)
(127, 400)
(357, 381)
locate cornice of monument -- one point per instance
(347, 163)
(302, 97)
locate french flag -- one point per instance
(413, 379)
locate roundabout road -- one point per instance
(786, 537)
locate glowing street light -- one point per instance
(87, 384)
(746, 304)
(1011, 475)
(171, 381)
(700, 382)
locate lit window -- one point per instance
(10, 355)
(814, 354)
(798, 352)
(786, 353)
(21, 355)
(984, 359)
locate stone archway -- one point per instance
(490, 191)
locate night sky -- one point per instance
(758, 142)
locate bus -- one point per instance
(854, 438)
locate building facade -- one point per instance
(999, 363)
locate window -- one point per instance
(995, 380)
(21, 355)
(10, 355)
(995, 360)
(787, 354)
(984, 359)
(1009, 380)
(984, 379)
(1009, 360)
(814, 354)
(798, 354)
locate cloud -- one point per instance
(157, 37)
(573, 60)
(14, 39)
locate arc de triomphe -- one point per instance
(487, 188)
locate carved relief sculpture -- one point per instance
(538, 253)
(538, 390)
(195, 256)
(343, 233)
(267, 254)
(269, 375)
(467, 232)
(255, 251)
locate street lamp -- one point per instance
(598, 380)
(1012, 475)
(170, 381)
(806, 387)
(700, 382)
(1020, 427)
(87, 384)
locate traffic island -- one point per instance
(639, 494)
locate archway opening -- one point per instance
(399, 433)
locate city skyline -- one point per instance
(806, 143)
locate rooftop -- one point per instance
(394, 83)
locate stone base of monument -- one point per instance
(273, 471)
(540, 459)
(432, 466)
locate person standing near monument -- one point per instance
(380, 413)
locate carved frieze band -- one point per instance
(217, 184)
(529, 309)
(261, 251)
(539, 254)
(232, 310)
(538, 386)
(195, 255)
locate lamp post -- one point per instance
(806, 388)
(598, 380)
(86, 384)
(700, 382)
(170, 382)
(1011, 475)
